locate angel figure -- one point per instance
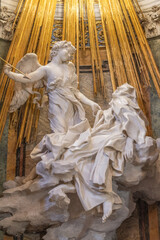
(76, 157)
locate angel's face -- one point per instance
(65, 54)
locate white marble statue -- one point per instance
(76, 158)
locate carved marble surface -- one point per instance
(150, 20)
(146, 4)
(7, 16)
(6, 21)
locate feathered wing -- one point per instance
(29, 63)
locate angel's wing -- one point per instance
(29, 63)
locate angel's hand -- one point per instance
(7, 68)
(128, 152)
(95, 108)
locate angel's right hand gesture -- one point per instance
(7, 69)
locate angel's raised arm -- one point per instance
(32, 77)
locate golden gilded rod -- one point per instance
(3, 81)
(137, 50)
(71, 27)
(143, 78)
(139, 8)
(124, 44)
(26, 111)
(94, 76)
(70, 20)
(129, 63)
(13, 56)
(121, 40)
(92, 43)
(24, 32)
(19, 2)
(67, 20)
(17, 12)
(93, 30)
(64, 21)
(77, 40)
(109, 57)
(12, 48)
(26, 28)
(144, 46)
(67, 28)
(99, 60)
(37, 26)
(46, 31)
(5, 89)
(43, 44)
(82, 25)
(73, 24)
(27, 119)
(113, 44)
(50, 30)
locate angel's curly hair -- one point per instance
(62, 44)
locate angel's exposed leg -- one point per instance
(58, 194)
(31, 175)
(107, 209)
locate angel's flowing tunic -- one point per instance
(91, 157)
